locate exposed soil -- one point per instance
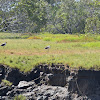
(11, 52)
(55, 82)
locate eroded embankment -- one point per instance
(45, 82)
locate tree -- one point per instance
(92, 25)
(24, 16)
(56, 16)
(35, 11)
(64, 17)
(6, 14)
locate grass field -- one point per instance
(73, 50)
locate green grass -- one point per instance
(69, 38)
(25, 54)
(6, 82)
(14, 35)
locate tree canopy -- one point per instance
(55, 16)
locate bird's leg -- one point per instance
(47, 50)
(4, 48)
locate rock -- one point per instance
(24, 84)
(56, 79)
(45, 92)
(4, 98)
(51, 83)
(4, 90)
(2, 72)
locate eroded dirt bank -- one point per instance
(55, 82)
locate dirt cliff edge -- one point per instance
(53, 82)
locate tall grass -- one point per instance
(25, 54)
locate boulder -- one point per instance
(4, 90)
(25, 84)
(45, 92)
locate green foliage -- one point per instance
(36, 12)
(55, 16)
(6, 82)
(20, 97)
(92, 25)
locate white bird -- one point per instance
(3, 44)
(47, 47)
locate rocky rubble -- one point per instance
(55, 82)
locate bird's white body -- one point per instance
(3, 44)
(47, 47)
